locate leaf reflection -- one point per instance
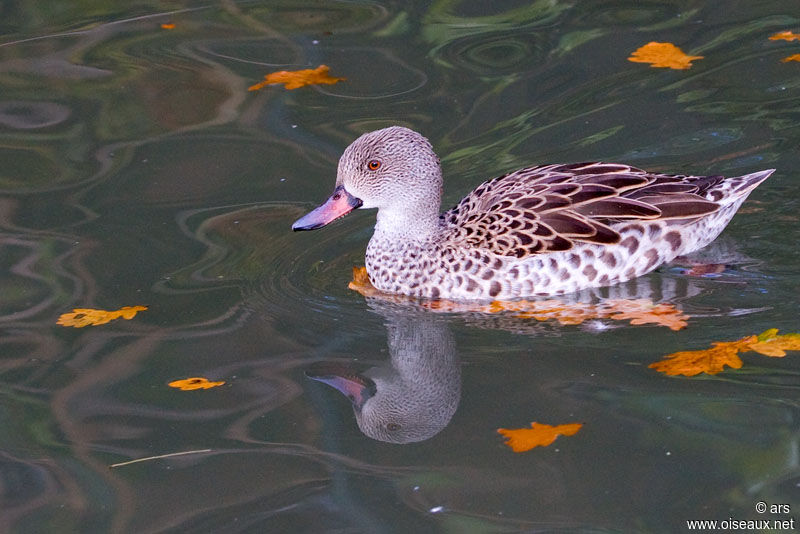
(637, 311)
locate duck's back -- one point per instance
(551, 208)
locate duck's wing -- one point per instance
(547, 208)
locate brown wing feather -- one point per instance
(545, 209)
(680, 205)
(618, 208)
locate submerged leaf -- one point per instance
(80, 317)
(168, 26)
(785, 35)
(665, 55)
(539, 435)
(188, 384)
(298, 78)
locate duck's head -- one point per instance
(387, 408)
(395, 170)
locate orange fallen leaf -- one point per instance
(168, 26)
(793, 57)
(80, 317)
(769, 343)
(638, 312)
(188, 384)
(665, 55)
(712, 361)
(298, 78)
(539, 435)
(785, 35)
(361, 283)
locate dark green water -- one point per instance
(136, 169)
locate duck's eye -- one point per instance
(393, 427)
(374, 164)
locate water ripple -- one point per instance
(281, 273)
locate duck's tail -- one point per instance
(729, 193)
(736, 189)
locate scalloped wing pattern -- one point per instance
(549, 208)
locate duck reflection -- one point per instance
(413, 396)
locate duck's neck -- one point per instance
(407, 225)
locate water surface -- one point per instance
(136, 169)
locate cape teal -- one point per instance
(538, 231)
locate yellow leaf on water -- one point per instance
(710, 361)
(793, 57)
(785, 35)
(539, 435)
(188, 384)
(665, 55)
(769, 343)
(168, 26)
(361, 282)
(80, 317)
(298, 78)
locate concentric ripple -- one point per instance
(282, 274)
(491, 54)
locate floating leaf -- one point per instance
(188, 384)
(638, 312)
(80, 317)
(298, 78)
(539, 435)
(665, 55)
(785, 35)
(793, 57)
(361, 283)
(769, 343)
(712, 361)
(168, 26)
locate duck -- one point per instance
(543, 230)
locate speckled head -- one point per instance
(395, 170)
